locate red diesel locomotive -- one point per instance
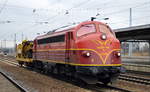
(89, 51)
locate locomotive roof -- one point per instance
(54, 33)
(60, 32)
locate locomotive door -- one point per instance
(69, 39)
(35, 50)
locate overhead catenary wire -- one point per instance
(51, 17)
(123, 10)
(84, 2)
(68, 9)
(3, 6)
(22, 29)
(134, 19)
(120, 11)
(112, 13)
(79, 6)
(116, 5)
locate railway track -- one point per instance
(135, 79)
(9, 61)
(17, 85)
(113, 88)
(98, 87)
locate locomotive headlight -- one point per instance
(103, 37)
(86, 53)
(118, 54)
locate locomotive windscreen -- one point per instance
(106, 30)
(86, 29)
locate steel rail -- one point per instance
(136, 79)
(113, 88)
(15, 83)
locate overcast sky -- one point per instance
(29, 17)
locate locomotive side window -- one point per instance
(60, 38)
(86, 29)
(105, 29)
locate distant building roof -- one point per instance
(133, 28)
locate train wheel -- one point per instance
(20, 63)
(29, 64)
(47, 69)
(51, 69)
(106, 81)
(59, 69)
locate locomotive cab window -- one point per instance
(86, 29)
(105, 29)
